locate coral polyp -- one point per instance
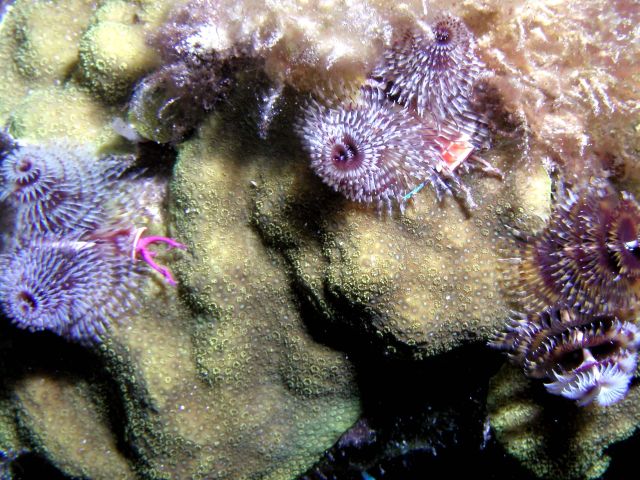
(587, 256)
(432, 68)
(585, 357)
(58, 187)
(70, 286)
(367, 149)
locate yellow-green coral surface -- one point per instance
(223, 378)
(554, 438)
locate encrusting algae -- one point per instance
(224, 364)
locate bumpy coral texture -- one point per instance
(585, 358)
(70, 286)
(113, 55)
(586, 256)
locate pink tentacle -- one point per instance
(140, 246)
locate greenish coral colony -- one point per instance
(527, 427)
(224, 377)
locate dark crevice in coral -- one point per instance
(408, 433)
(136, 430)
(189, 86)
(488, 99)
(31, 466)
(359, 325)
(246, 140)
(624, 458)
(155, 160)
(330, 317)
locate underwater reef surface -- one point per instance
(304, 325)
